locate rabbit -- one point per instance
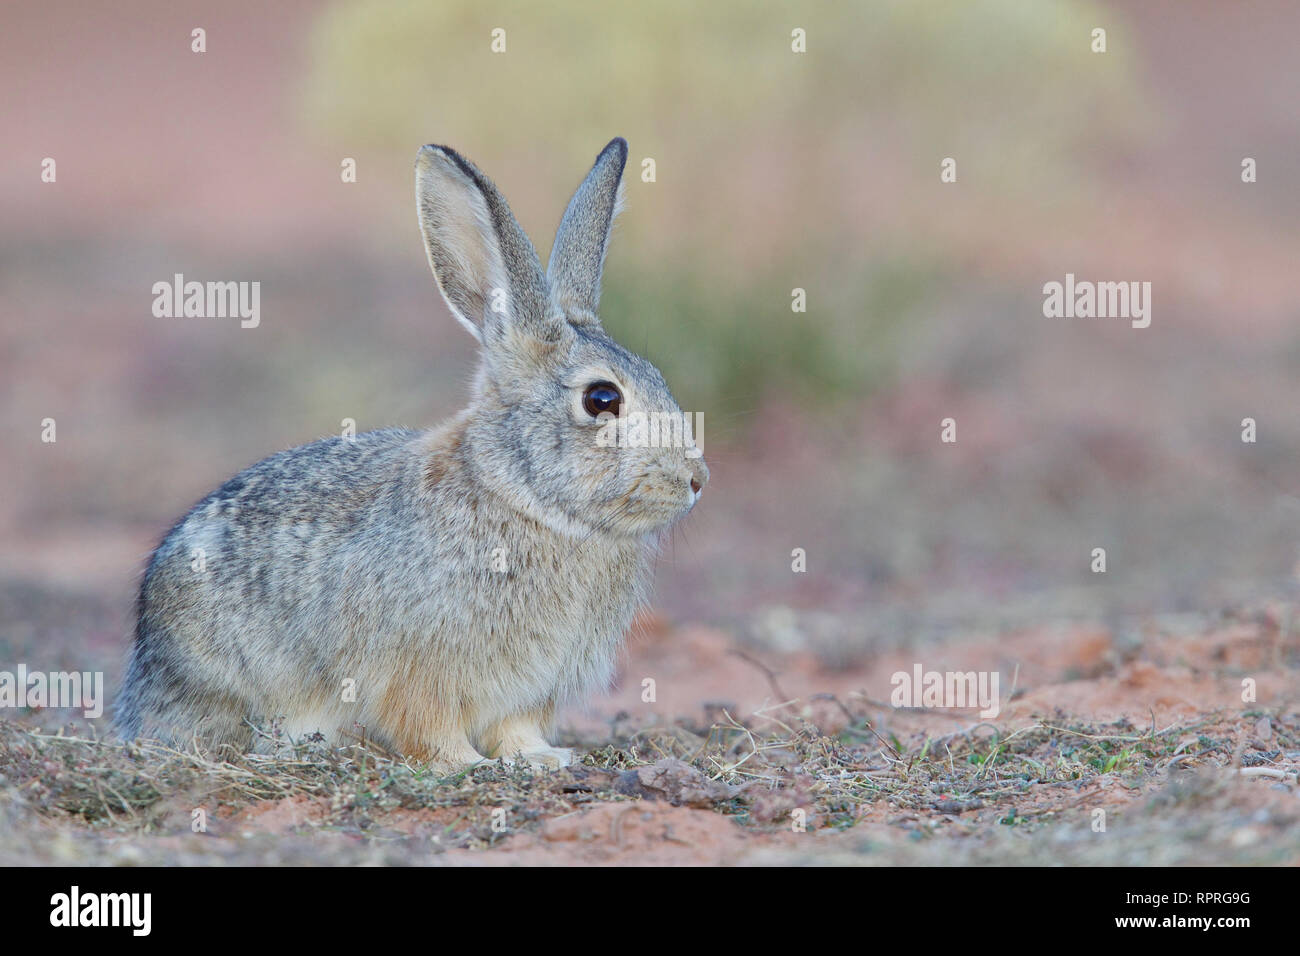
(442, 592)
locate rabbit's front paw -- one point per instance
(542, 758)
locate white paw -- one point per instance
(542, 758)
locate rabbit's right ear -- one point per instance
(486, 268)
(578, 255)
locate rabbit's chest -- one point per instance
(553, 617)
(558, 590)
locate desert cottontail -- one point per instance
(445, 590)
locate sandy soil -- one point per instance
(798, 765)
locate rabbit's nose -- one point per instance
(699, 475)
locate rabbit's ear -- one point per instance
(578, 255)
(487, 270)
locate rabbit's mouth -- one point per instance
(656, 502)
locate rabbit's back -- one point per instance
(260, 536)
(248, 580)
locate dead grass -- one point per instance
(883, 785)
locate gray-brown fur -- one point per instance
(576, 262)
(375, 560)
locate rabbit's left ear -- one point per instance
(578, 255)
(486, 268)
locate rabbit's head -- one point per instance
(567, 424)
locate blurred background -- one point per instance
(773, 171)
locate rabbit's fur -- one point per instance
(462, 582)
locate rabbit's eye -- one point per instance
(601, 397)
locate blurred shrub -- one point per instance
(723, 348)
(771, 165)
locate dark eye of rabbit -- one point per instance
(602, 397)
